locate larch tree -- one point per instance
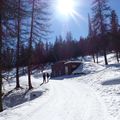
(115, 33)
(91, 38)
(18, 42)
(101, 18)
(18, 13)
(5, 16)
(39, 29)
(1, 32)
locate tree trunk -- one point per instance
(97, 57)
(117, 56)
(1, 106)
(30, 47)
(105, 57)
(18, 47)
(93, 58)
(29, 77)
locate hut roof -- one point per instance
(68, 62)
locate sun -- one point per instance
(66, 10)
(66, 7)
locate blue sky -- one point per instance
(78, 26)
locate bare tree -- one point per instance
(18, 44)
(38, 29)
(101, 14)
(1, 108)
(115, 33)
(3, 19)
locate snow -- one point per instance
(87, 67)
(94, 95)
(105, 80)
(65, 100)
(72, 62)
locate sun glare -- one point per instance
(66, 7)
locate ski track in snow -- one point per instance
(65, 100)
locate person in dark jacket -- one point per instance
(44, 78)
(47, 74)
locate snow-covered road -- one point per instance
(65, 100)
(71, 101)
(95, 95)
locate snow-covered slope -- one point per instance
(87, 67)
(91, 96)
(65, 100)
(105, 80)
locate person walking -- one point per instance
(44, 77)
(47, 74)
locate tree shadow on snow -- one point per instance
(112, 82)
(118, 93)
(65, 77)
(117, 66)
(19, 97)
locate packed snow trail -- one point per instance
(71, 100)
(66, 100)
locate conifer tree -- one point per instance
(115, 33)
(5, 16)
(101, 13)
(38, 29)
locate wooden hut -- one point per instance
(58, 69)
(70, 66)
(64, 68)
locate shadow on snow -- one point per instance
(17, 97)
(112, 82)
(65, 77)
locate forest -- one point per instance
(25, 33)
